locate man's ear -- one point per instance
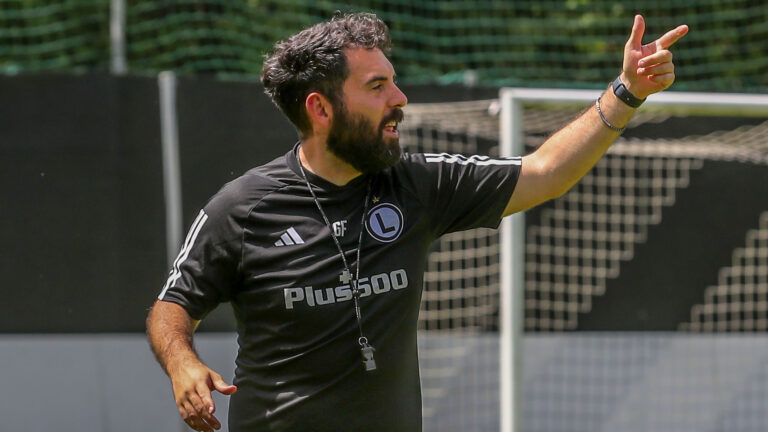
(319, 110)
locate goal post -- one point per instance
(512, 103)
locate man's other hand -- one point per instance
(193, 383)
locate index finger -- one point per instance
(669, 38)
(208, 407)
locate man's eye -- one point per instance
(377, 87)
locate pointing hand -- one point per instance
(648, 68)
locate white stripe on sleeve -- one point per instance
(475, 160)
(197, 225)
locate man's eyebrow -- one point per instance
(376, 78)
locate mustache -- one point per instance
(396, 115)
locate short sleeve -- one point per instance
(464, 192)
(206, 268)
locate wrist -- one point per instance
(180, 366)
(605, 121)
(623, 90)
(179, 357)
(613, 111)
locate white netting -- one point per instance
(739, 302)
(583, 239)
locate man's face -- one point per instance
(364, 130)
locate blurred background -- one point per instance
(646, 286)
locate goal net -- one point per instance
(580, 252)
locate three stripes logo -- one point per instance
(290, 237)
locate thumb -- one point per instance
(638, 30)
(222, 387)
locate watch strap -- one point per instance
(621, 92)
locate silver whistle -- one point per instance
(368, 361)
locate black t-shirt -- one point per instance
(262, 244)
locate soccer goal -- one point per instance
(507, 326)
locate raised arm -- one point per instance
(170, 330)
(570, 153)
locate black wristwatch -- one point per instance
(624, 95)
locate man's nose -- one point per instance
(399, 99)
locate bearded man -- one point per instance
(322, 251)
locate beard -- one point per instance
(356, 141)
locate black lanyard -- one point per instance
(345, 277)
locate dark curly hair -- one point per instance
(313, 61)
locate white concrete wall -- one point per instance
(95, 383)
(572, 382)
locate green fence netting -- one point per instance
(555, 43)
(39, 35)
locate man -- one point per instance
(322, 252)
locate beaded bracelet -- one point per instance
(602, 117)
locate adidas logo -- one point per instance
(289, 237)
